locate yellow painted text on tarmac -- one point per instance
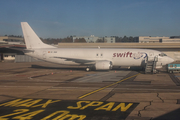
(64, 115)
(16, 112)
(123, 107)
(44, 105)
(78, 105)
(93, 103)
(63, 112)
(107, 107)
(28, 116)
(28, 103)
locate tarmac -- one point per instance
(40, 90)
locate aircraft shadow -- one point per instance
(138, 69)
(64, 68)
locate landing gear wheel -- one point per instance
(154, 71)
(87, 69)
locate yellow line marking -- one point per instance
(107, 86)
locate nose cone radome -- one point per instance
(170, 60)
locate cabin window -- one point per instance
(5, 55)
(12, 55)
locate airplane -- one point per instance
(94, 58)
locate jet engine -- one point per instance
(103, 65)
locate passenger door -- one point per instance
(151, 56)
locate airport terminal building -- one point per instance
(149, 39)
(11, 40)
(7, 42)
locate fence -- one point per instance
(24, 58)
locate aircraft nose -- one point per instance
(170, 60)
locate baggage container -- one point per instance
(172, 68)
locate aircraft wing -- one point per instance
(83, 61)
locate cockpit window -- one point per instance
(162, 54)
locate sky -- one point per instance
(62, 18)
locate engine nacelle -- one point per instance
(103, 65)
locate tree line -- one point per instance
(62, 40)
(69, 39)
(20, 36)
(126, 39)
(82, 40)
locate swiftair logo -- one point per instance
(131, 55)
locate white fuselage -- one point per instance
(118, 57)
(98, 58)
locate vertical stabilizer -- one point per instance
(31, 39)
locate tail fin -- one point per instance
(31, 39)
